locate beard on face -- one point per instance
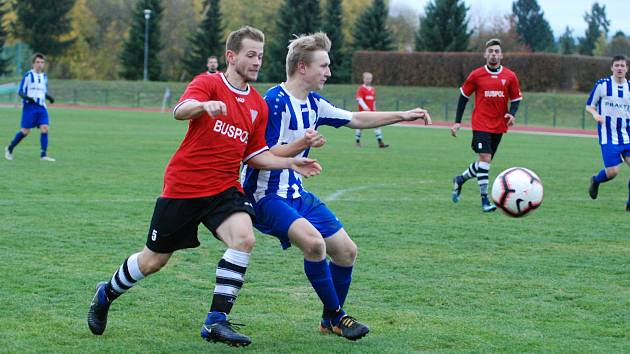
(244, 74)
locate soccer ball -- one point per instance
(517, 191)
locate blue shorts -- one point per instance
(33, 115)
(612, 153)
(274, 216)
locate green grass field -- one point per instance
(431, 276)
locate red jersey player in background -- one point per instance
(494, 87)
(227, 122)
(366, 98)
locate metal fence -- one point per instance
(550, 113)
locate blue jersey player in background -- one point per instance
(609, 103)
(283, 207)
(34, 92)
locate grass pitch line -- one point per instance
(338, 193)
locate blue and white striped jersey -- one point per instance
(289, 118)
(612, 102)
(35, 86)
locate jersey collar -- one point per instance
(234, 89)
(493, 72)
(612, 79)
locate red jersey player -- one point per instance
(494, 87)
(227, 126)
(366, 98)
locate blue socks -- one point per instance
(43, 141)
(341, 277)
(601, 177)
(215, 316)
(16, 140)
(318, 273)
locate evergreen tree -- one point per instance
(598, 24)
(207, 41)
(566, 42)
(42, 24)
(339, 64)
(444, 27)
(4, 62)
(370, 30)
(532, 27)
(295, 17)
(132, 57)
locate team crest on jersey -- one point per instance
(503, 82)
(254, 114)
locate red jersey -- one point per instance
(208, 160)
(368, 95)
(493, 92)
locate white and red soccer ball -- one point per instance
(517, 191)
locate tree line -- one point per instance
(105, 39)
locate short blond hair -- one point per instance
(235, 39)
(301, 49)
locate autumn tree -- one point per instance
(4, 62)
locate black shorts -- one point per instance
(175, 221)
(485, 143)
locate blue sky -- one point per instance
(556, 12)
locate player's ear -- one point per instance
(301, 67)
(229, 56)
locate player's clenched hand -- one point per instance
(417, 113)
(306, 167)
(215, 108)
(510, 119)
(455, 129)
(313, 138)
(598, 118)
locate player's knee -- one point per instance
(347, 254)
(244, 242)
(25, 131)
(152, 264)
(612, 172)
(314, 248)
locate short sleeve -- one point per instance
(200, 89)
(595, 96)
(515, 89)
(331, 115)
(469, 85)
(359, 92)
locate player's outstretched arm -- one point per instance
(311, 138)
(192, 109)
(365, 120)
(268, 161)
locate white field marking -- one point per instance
(511, 131)
(339, 192)
(336, 195)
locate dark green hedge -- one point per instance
(536, 71)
